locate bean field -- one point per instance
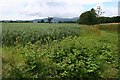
(60, 51)
(24, 33)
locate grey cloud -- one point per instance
(54, 4)
(37, 14)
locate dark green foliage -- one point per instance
(88, 18)
(59, 22)
(42, 21)
(109, 19)
(71, 58)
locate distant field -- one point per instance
(35, 50)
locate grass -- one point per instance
(72, 50)
(109, 27)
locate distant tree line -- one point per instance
(49, 20)
(115, 19)
(86, 18)
(16, 21)
(67, 21)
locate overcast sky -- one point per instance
(35, 9)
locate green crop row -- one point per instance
(14, 34)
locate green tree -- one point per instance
(42, 21)
(88, 18)
(49, 19)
